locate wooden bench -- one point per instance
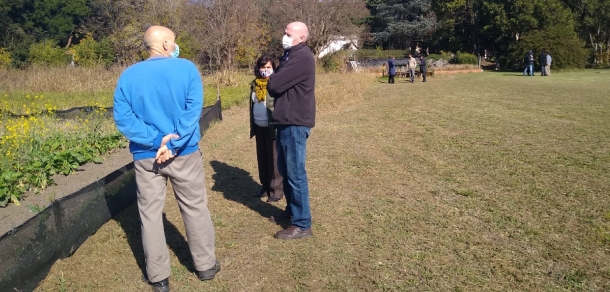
(405, 74)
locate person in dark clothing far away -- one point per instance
(292, 87)
(422, 67)
(391, 70)
(528, 60)
(542, 61)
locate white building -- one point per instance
(338, 43)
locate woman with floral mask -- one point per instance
(261, 127)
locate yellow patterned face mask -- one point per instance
(260, 88)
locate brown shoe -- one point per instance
(283, 216)
(293, 232)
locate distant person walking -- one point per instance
(294, 113)
(157, 106)
(422, 67)
(261, 127)
(548, 64)
(411, 64)
(542, 61)
(391, 70)
(528, 61)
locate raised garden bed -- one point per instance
(79, 204)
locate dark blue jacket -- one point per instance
(293, 88)
(542, 59)
(529, 59)
(391, 67)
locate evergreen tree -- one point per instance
(402, 23)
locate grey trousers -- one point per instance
(187, 178)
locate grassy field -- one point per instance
(469, 182)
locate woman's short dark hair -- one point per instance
(262, 61)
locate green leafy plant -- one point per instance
(47, 53)
(5, 58)
(35, 208)
(464, 58)
(38, 148)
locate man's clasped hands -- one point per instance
(164, 154)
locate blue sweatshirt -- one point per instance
(157, 97)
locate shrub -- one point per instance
(47, 53)
(5, 58)
(336, 61)
(465, 58)
(443, 55)
(562, 43)
(88, 52)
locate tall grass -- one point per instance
(59, 79)
(68, 87)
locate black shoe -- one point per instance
(261, 194)
(210, 273)
(161, 286)
(271, 200)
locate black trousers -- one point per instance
(391, 79)
(266, 155)
(422, 71)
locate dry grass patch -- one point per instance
(475, 182)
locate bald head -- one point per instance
(298, 31)
(159, 41)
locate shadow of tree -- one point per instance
(129, 220)
(237, 185)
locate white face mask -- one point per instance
(266, 72)
(287, 42)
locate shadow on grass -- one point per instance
(237, 185)
(129, 220)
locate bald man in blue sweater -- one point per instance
(157, 106)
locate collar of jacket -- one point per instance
(295, 47)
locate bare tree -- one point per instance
(326, 19)
(224, 27)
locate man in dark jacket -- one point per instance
(294, 113)
(422, 67)
(528, 60)
(391, 70)
(542, 60)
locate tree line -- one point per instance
(225, 34)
